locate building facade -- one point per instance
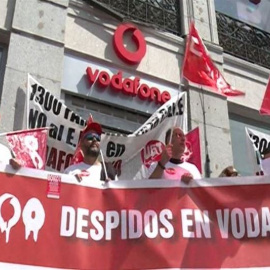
(57, 40)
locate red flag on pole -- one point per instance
(192, 152)
(199, 68)
(29, 147)
(265, 107)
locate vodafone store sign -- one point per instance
(118, 43)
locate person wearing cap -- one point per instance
(171, 165)
(229, 171)
(91, 168)
(265, 163)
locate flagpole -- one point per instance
(27, 101)
(201, 95)
(23, 130)
(175, 120)
(207, 158)
(180, 90)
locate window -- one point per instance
(243, 29)
(112, 119)
(255, 13)
(163, 14)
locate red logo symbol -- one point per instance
(188, 153)
(84, 173)
(137, 36)
(151, 152)
(170, 171)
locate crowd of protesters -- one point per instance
(170, 165)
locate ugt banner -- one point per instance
(148, 224)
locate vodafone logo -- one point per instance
(128, 86)
(151, 152)
(118, 43)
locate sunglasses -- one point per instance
(92, 136)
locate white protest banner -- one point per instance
(257, 142)
(133, 154)
(45, 110)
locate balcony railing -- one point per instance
(162, 14)
(244, 41)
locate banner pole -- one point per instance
(103, 162)
(207, 158)
(27, 101)
(22, 130)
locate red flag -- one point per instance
(199, 68)
(78, 155)
(265, 107)
(29, 147)
(192, 152)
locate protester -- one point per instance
(229, 171)
(265, 163)
(171, 166)
(7, 158)
(91, 168)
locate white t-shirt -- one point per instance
(5, 154)
(85, 171)
(175, 171)
(266, 166)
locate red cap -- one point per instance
(93, 126)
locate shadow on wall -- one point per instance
(20, 107)
(10, 11)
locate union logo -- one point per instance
(151, 152)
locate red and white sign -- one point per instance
(199, 68)
(122, 52)
(152, 152)
(29, 147)
(53, 186)
(148, 224)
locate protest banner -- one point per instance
(256, 142)
(150, 224)
(29, 147)
(45, 110)
(133, 154)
